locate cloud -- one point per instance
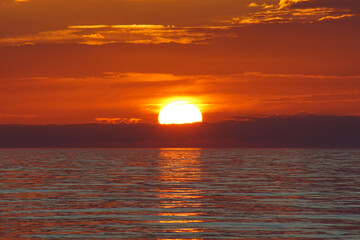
(288, 3)
(286, 11)
(59, 36)
(336, 17)
(263, 6)
(104, 34)
(353, 5)
(117, 120)
(138, 97)
(215, 26)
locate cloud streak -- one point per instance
(104, 34)
(287, 11)
(213, 27)
(117, 120)
(135, 97)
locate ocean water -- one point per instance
(179, 194)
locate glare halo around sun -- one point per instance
(180, 112)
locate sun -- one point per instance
(180, 112)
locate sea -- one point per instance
(179, 194)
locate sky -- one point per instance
(113, 61)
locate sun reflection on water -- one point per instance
(181, 199)
(179, 194)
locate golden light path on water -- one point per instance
(178, 167)
(179, 194)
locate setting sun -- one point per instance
(180, 112)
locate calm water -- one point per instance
(179, 194)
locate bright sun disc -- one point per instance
(179, 112)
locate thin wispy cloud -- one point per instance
(104, 34)
(287, 11)
(287, 3)
(137, 97)
(105, 120)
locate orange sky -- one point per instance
(64, 61)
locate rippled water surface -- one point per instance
(179, 194)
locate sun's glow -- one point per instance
(180, 112)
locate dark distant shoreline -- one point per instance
(274, 132)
